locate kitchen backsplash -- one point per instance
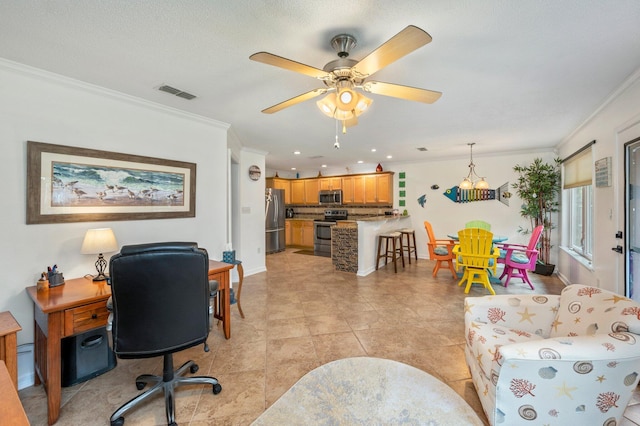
(352, 212)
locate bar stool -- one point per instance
(395, 238)
(410, 246)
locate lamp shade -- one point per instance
(101, 240)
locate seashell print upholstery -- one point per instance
(572, 358)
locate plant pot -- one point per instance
(544, 268)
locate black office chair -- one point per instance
(160, 302)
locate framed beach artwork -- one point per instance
(70, 184)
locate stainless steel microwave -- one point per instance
(330, 197)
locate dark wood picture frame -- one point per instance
(106, 186)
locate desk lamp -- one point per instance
(98, 241)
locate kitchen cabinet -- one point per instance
(307, 233)
(302, 233)
(304, 191)
(329, 183)
(287, 233)
(368, 189)
(278, 183)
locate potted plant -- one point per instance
(538, 186)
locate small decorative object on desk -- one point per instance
(43, 282)
(54, 277)
(229, 256)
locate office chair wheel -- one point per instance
(217, 388)
(140, 385)
(194, 368)
(118, 422)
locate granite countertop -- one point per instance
(378, 218)
(306, 217)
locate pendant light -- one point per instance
(473, 180)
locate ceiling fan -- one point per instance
(341, 76)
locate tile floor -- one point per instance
(299, 315)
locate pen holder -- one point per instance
(43, 284)
(55, 279)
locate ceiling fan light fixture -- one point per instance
(347, 99)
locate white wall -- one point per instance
(43, 107)
(448, 217)
(252, 224)
(614, 124)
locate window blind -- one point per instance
(578, 169)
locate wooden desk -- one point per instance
(9, 327)
(74, 307)
(220, 271)
(78, 306)
(10, 407)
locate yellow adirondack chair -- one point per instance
(476, 253)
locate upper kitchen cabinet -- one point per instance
(278, 183)
(374, 189)
(304, 191)
(330, 183)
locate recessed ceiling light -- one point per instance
(293, 168)
(373, 150)
(296, 152)
(389, 156)
(324, 165)
(360, 161)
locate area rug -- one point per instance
(369, 391)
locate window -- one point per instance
(577, 175)
(580, 207)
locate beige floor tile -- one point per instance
(299, 315)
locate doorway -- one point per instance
(632, 219)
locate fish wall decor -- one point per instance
(458, 195)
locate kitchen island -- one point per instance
(355, 241)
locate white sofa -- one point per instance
(564, 359)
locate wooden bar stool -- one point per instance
(395, 238)
(410, 246)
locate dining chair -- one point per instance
(518, 258)
(476, 253)
(440, 250)
(478, 224)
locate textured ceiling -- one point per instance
(515, 75)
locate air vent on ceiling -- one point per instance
(423, 149)
(179, 93)
(315, 157)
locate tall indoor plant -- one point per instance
(538, 186)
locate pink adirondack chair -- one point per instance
(518, 259)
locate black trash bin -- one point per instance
(85, 356)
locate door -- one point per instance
(632, 226)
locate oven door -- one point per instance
(322, 232)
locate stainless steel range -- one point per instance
(322, 231)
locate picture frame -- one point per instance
(70, 184)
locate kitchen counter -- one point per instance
(356, 250)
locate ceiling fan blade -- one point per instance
(294, 100)
(403, 92)
(288, 64)
(401, 44)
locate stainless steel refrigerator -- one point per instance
(274, 220)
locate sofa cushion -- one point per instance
(586, 310)
(484, 340)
